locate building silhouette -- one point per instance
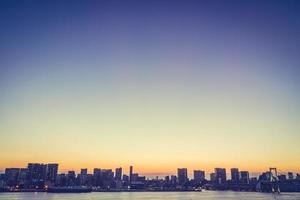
(118, 173)
(182, 175)
(245, 179)
(199, 176)
(220, 175)
(235, 175)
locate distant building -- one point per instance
(212, 177)
(173, 179)
(61, 180)
(245, 177)
(2, 180)
(282, 177)
(199, 176)
(37, 174)
(220, 175)
(97, 171)
(235, 175)
(107, 176)
(141, 178)
(125, 178)
(290, 175)
(23, 178)
(130, 173)
(51, 173)
(264, 176)
(11, 176)
(83, 176)
(167, 179)
(182, 175)
(253, 180)
(97, 177)
(119, 184)
(71, 178)
(134, 177)
(118, 174)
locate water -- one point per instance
(205, 195)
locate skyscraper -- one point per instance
(199, 176)
(118, 173)
(97, 177)
(130, 173)
(37, 174)
(51, 174)
(11, 175)
(245, 177)
(23, 178)
(182, 175)
(235, 175)
(83, 176)
(220, 175)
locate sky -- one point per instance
(153, 84)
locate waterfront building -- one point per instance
(220, 175)
(37, 174)
(11, 176)
(71, 178)
(23, 179)
(51, 173)
(173, 179)
(130, 173)
(118, 174)
(245, 177)
(83, 176)
(199, 176)
(235, 175)
(182, 175)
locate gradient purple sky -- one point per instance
(157, 84)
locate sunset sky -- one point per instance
(156, 84)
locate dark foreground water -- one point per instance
(205, 195)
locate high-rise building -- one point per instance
(37, 174)
(245, 177)
(52, 170)
(97, 179)
(11, 176)
(199, 176)
(23, 178)
(83, 176)
(220, 175)
(71, 178)
(61, 180)
(173, 179)
(130, 173)
(182, 175)
(235, 175)
(118, 173)
(107, 176)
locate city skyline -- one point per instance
(156, 84)
(45, 177)
(190, 171)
